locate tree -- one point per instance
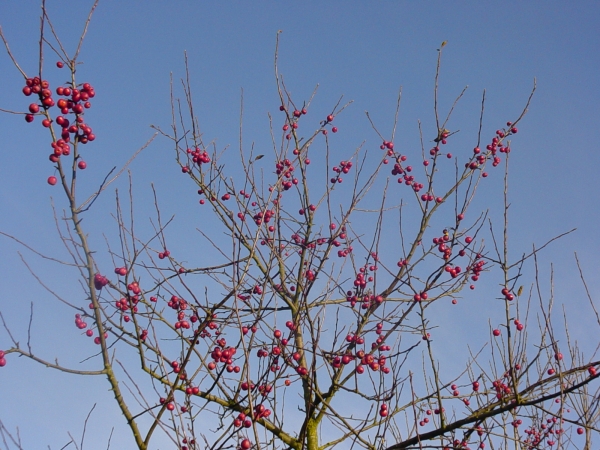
(314, 325)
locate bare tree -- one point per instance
(314, 325)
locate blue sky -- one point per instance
(364, 51)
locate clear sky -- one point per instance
(364, 51)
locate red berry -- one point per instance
(245, 444)
(496, 332)
(34, 108)
(329, 117)
(60, 64)
(29, 118)
(580, 430)
(334, 130)
(82, 165)
(52, 180)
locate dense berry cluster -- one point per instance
(74, 100)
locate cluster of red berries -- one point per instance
(165, 254)
(285, 171)
(100, 281)
(184, 441)
(425, 420)
(242, 420)
(328, 121)
(344, 167)
(223, 354)
(124, 305)
(199, 156)
(346, 251)
(374, 363)
(502, 389)
(97, 338)
(507, 294)
(546, 431)
(79, 323)
(383, 410)
(399, 169)
(170, 405)
(476, 269)
(263, 216)
(493, 148)
(75, 101)
(518, 325)
(180, 305)
(2, 358)
(291, 121)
